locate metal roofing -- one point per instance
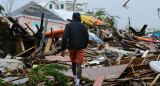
(35, 10)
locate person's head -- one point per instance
(76, 17)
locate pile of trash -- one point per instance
(112, 57)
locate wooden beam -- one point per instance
(18, 46)
(158, 57)
(18, 25)
(99, 80)
(35, 52)
(154, 81)
(48, 45)
(119, 58)
(24, 52)
(136, 61)
(41, 27)
(144, 59)
(30, 28)
(37, 28)
(22, 44)
(52, 34)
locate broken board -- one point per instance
(109, 72)
(58, 58)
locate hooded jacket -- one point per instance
(75, 34)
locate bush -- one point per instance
(40, 73)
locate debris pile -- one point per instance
(113, 57)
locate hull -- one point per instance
(146, 39)
(90, 20)
(57, 33)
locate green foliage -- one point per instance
(40, 73)
(4, 84)
(1, 82)
(101, 14)
(11, 85)
(98, 13)
(156, 31)
(8, 71)
(1, 9)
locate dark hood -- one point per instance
(76, 17)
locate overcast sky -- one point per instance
(140, 11)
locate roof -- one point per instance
(35, 10)
(42, 3)
(64, 14)
(76, 8)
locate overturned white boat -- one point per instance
(155, 66)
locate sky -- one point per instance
(140, 11)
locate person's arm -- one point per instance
(65, 37)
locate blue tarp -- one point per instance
(95, 38)
(156, 34)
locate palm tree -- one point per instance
(1, 9)
(109, 20)
(74, 3)
(100, 13)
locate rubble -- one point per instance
(112, 57)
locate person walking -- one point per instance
(76, 36)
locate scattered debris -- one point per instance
(112, 57)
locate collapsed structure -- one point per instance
(112, 57)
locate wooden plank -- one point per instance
(18, 47)
(109, 72)
(48, 45)
(143, 29)
(136, 61)
(105, 31)
(58, 58)
(12, 28)
(30, 28)
(119, 58)
(43, 32)
(36, 50)
(145, 53)
(144, 72)
(158, 57)
(132, 58)
(41, 27)
(23, 52)
(18, 25)
(138, 76)
(37, 28)
(54, 45)
(154, 81)
(22, 44)
(144, 59)
(52, 35)
(99, 80)
(139, 67)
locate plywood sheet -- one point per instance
(108, 72)
(58, 58)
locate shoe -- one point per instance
(73, 84)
